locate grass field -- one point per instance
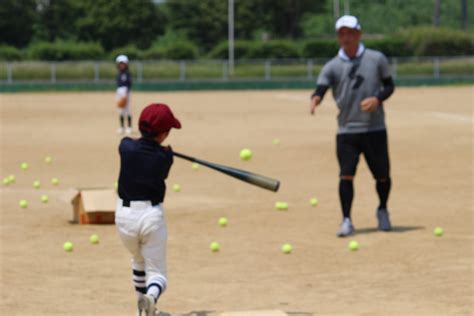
(408, 271)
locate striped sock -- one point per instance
(139, 280)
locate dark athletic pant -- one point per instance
(374, 147)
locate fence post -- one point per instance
(53, 72)
(182, 70)
(225, 70)
(436, 67)
(9, 73)
(139, 71)
(268, 70)
(310, 69)
(96, 72)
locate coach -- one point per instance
(360, 81)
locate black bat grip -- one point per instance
(184, 156)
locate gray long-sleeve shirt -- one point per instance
(351, 81)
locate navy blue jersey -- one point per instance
(144, 166)
(124, 79)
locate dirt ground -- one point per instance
(408, 271)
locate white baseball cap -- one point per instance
(121, 59)
(348, 21)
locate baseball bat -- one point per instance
(246, 176)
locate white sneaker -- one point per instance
(346, 228)
(120, 130)
(146, 305)
(128, 130)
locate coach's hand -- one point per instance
(314, 103)
(370, 104)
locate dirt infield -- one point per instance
(405, 272)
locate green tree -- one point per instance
(57, 19)
(203, 22)
(16, 21)
(117, 23)
(282, 18)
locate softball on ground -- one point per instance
(176, 188)
(281, 206)
(195, 166)
(286, 248)
(223, 222)
(55, 181)
(6, 181)
(48, 159)
(438, 232)
(24, 166)
(94, 239)
(353, 245)
(313, 201)
(215, 247)
(246, 154)
(23, 203)
(276, 141)
(11, 178)
(36, 184)
(68, 246)
(116, 185)
(44, 198)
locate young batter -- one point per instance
(124, 84)
(139, 215)
(360, 81)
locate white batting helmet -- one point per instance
(121, 59)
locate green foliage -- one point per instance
(169, 37)
(242, 49)
(153, 53)
(116, 23)
(10, 53)
(16, 22)
(387, 16)
(428, 41)
(314, 25)
(275, 49)
(205, 22)
(131, 51)
(320, 48)
(172, 45)
(391, 46)
(57, 20)
(61, 50)
(140, 24)
(181, 50)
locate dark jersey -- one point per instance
(144, 166)
(124, 79)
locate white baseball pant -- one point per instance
(142, 229)
(121, 93)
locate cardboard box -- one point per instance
(94, 206)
